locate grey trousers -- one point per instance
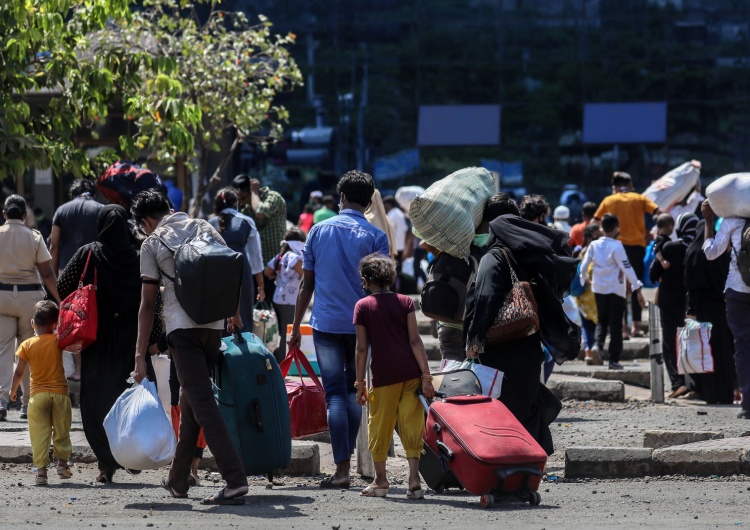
(451, 341)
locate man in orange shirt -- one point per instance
(630, 208)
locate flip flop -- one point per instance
(41, 480)
(64, 472)
(173, 493)
(415, 494)
(369, 491)
(327, 483)
(219, 498)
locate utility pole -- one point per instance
(361, 149)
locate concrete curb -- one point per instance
(586, 389)
(641, 378)
(608, 462)
(305, 457)
(723, 457)
(661, 438)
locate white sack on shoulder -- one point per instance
(729, 196)
(139, 432)
(674, 186)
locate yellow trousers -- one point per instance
(49, 412)
(391, 404)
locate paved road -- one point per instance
(298, 503)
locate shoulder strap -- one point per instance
(172, 250)
(85, 269)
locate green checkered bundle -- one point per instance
(448, 212)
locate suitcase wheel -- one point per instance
(486, 500)
(534, 498)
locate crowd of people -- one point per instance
(352, 258)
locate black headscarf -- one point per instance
(543, 256)
(117, 263)
(702, 273)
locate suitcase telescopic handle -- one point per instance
(238, 338)
(504, 473)
(424, 401)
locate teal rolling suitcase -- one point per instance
(251, 394)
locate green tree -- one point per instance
(41, 43)
(225, 74)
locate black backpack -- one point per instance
(743, 256)
(207, 279)
(444, 294)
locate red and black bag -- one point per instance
(307, 401)
(79, 316)
(124, 180)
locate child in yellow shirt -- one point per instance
(49, 402)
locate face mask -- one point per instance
(481, 240)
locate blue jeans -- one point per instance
(338, 371)
(589, 332)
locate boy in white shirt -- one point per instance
(611, 268)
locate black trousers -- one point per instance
(671, 319)
(635, 255)
(611, 309)
(194, 352)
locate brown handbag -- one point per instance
(518, 316)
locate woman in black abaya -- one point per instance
(107, 363)
(705, 282)
(540, 255)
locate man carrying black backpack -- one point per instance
(194, 345)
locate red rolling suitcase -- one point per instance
(486, 447)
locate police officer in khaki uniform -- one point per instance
(23, 259)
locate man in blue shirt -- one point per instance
(331, 270)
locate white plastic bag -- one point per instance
(491, 379)
(729, 196)
(674, 186)
(694, 354)
(140, 434)
(266, 326)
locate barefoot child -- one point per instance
(386, 322)
(49, 404)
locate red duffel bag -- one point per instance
(79, 317)
(307, 401)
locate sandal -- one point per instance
(677, 392)
(369, 491)
(105, 476)
(41, 480)
(64, 472)
(220, 498)
(173, 493)
(415, 494)
(327, 483)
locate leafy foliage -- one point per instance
(40, 42)
(183, 80)
(219, 76)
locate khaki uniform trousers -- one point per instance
(16, 311)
